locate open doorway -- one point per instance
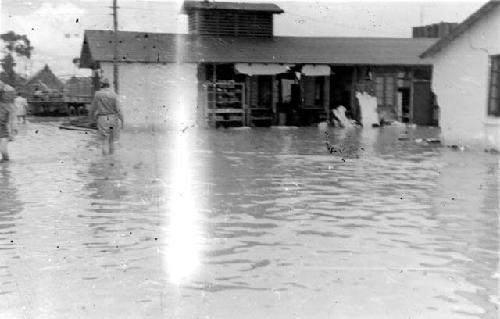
(423, 103)
(290, 96)
(404, 104)
(341, 88)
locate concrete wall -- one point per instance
(153, 94)
(460, 81)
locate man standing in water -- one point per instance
(106, 111)
(7, 120)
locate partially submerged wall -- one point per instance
(153, 94)
(368, 107)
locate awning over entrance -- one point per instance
(316, 70)
(261, 68)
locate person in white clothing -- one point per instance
(21, 105)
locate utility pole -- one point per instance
(115, 46)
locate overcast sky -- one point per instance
(56, 27)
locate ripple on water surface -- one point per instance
(393, 229)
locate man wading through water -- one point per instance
(105, 110)
(7, 117)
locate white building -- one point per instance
(466, 79)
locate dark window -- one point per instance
(223, 72)
(209, 72)
(319, 87)
(494, 91)
(422, 74)
(265, 90)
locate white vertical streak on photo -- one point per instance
(183, 220)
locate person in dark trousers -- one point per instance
(106, 112)
(7, 120)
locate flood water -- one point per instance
(250, 223)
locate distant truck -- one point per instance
(74, 99)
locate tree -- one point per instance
(8, 75)
(15, 45)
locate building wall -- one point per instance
(153, 94)
(460, 82)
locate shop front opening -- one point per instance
(290, 97)
(341, 89)
(225, 103)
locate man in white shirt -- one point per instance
(21, 107)
(106, 111)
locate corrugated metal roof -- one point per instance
(461, 28)
(242, 6)
(170, 48)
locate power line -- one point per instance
(140, 8)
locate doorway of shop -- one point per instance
(289, 100)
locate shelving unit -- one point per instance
(226, 104)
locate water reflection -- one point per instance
(120, 231)
(469, 199)
(108, 191)
(183, 226)
(365, 222)
(10, 209)
(256, 222)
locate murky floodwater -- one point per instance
(259, 223)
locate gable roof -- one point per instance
(240, 6)
(461, 28)
(188, 48)
(47, 77)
